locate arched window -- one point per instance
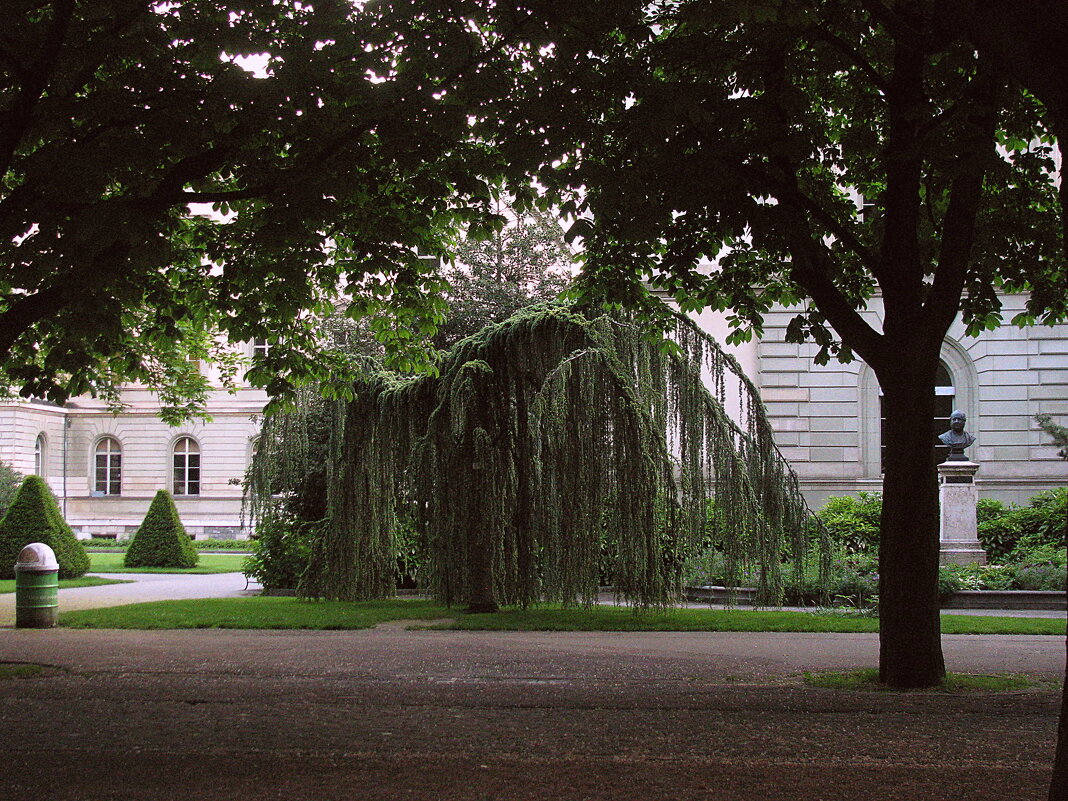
(107, 479)
(40, 453)
(945, 399)
(945, 395)
(186, 467)
(956, 387)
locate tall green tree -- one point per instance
(161, 539)
(34, 516)
(499, 272)
(157, 187)
(820, 154)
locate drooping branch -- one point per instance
(554, 451)
(966, 191)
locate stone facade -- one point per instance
(67, 444)
(827, 417)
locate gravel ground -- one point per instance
(204, 715)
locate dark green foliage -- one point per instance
(34, 516)
(334, 167)
(853, 522)
(540, 434)
(1057, 432)
(1044, 521)
(1036, 575)
(988, 509)
(10, 480)
(1038, 569)
(999, 535)
(997, 528)
(1010, 533)
(411, 553)
(954, 578)
(281, 550)
(161, 540)
(524, 262)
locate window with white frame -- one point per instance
(260, 347)
(107, 467)
(186, 467)
(40, 453)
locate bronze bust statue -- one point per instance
(956, 439)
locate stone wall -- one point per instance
(827, 417)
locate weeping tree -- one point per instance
(538, 435)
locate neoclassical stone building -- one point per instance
(106, 467)
(827, 418)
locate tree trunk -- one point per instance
(483, 598)
(910, 648)
(1058, 788)
(482, 540)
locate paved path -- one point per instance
(393, 714)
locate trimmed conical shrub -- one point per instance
(34, 516)
(161, 540)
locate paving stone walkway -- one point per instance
(395, 714)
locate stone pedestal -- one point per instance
(957, 496)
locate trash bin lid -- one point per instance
(37, 557)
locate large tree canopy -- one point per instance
(819, 153)
(334, 165)
(524, 262)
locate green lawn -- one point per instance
(19, 670)
(259, 612)
(8, 585)
(289, 613)
(868, 679)
(618, 619)
(209, 563)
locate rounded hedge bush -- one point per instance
(281, 550)
(161, 540)
(853, 522)
(34, 516)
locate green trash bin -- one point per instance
(36, 587)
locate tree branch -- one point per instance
(812, 270)
(822, 34)
(792, 192)
(966, 191)
(813, 264)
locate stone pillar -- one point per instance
(957, 496)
